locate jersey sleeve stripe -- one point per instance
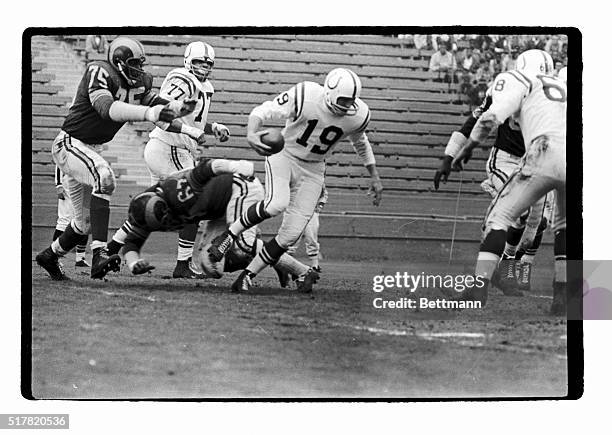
(365, 122)
(300, 95)
(521, 78)
(185, 80)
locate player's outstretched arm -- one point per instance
(485, 124)
(376, 187)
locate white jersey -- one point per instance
(311, 129)
(180, 84)
(538, 103)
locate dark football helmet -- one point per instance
(149, 211)
(128, 57)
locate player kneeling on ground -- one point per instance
(215, 191)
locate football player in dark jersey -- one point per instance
(504, 159)
(215, 191)
(111, 93)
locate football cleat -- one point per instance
(559, 303)
(141, 267)
(81, 263)
(506, 281)
(524, 276)
(220, 245)
(243, 283)
(183, 269)
(102, 263)
(305, 283)
(49, 261)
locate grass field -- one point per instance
(153, 337)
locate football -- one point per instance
(274, 139)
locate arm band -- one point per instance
(455, 143)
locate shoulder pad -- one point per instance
(208, 87)
(312, 90)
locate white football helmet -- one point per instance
(199, 59)
(341, 89)
(535, 62)
(562, 75)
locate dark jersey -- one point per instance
(509, 137)
(192, 195)
(191, 203)
(83, 122)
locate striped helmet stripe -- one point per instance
(354, 77)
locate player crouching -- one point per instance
(214, 191)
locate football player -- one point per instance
(539, 101)
(111, 93)
(504, 159)
(311, 235)
(316, 118)
(64, 215)
(215, 191)
(168, 152)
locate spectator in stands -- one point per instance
(508, 61)
(554, 47)
(95, 44)
(467, 61)
(443, 62)
(422, 42)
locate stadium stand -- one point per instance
(412, 118)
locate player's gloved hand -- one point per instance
(141, 266)
(220, 131)
(462, 158)
(172, 110)
(61, 194)
(443, 171)
(254, 140)
(376, 189)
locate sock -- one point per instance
(81, 247)
(314, 260)
(528, 255)
(490, 250)
(64, 243)
(254, 215)
(99, 217)
(291, 265)
(560, 257)
(113, 247)
(268, 256)
(512, 241)
(185, 242)
(56, 234)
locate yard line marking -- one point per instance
(469, 339)
(122, 294)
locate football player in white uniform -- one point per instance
(311, 235)
(316, 118)
(168, 152)
(539, 102)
